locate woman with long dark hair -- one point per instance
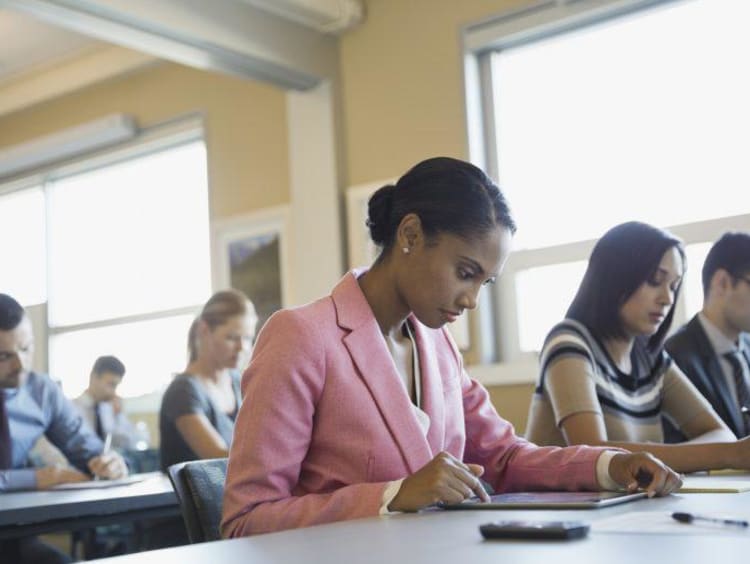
(605, 378)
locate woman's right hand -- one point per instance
(444, 479)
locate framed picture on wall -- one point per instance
(362, 251)
(250, 254)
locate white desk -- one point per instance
(453, 537)
(37, 512)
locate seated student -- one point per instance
(102, 408)
(359, 401)
(32, 405)
(605, 378)
(199, 407)
(713, 348)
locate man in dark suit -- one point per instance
(713, 348)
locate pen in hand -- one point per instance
(691, 518)
(107, 446)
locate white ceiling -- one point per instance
(49, 48)
(29, 44)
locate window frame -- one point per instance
(504, 362)
(161, 137)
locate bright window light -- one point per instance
(692, 287)
(24, 273)
(543, 295)
(642, 118)
(152, 351)
(130, 238)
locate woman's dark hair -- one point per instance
(11, 313)
(448, 195)
(622, 260)
(108, 364)
(730, 253)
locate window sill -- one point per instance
(505, 374)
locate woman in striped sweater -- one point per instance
(605, 378)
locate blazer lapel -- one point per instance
(715, 374)
(375, 366)
(433, 400)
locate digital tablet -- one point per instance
(547, 500)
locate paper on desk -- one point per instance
(713, 484)
(93, 484)
(729, 472)
(661, 523)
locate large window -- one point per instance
(125, 261)
(22, 230)
(600, 112)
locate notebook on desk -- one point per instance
(713, 484)
(99, 484)
(548, 500)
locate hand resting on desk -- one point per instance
(643, 470)
(444, 479)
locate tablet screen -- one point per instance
(548, 500)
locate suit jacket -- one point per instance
(694, 354)
(327, 423)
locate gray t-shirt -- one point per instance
(186, 395)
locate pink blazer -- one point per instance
(327, 423)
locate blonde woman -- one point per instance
(199, 407)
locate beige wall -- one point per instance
(246, 129)
(512, 402)
(402, 83)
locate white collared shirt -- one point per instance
(723, 345)
(123, 431)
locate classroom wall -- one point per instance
(245, 121)
(403, 101)
(402, 83)
(512, 402)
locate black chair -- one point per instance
(199, 486)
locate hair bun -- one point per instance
(379, 209)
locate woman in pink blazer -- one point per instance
(358, 404)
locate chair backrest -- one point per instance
(199, 486)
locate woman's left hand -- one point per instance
(640, 469)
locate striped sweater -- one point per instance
(630, 404)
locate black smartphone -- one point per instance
(534, 530)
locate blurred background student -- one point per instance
(198, 409)
(102, 408)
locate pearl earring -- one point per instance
(406, 250)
